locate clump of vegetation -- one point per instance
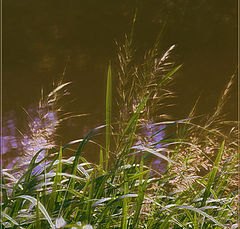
(197, 189)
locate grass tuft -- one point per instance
(196, 189)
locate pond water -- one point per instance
(42, 38)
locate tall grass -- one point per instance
(74, 193)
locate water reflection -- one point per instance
(42, 121)
(152, 135)
(18, 148)
(8, 140)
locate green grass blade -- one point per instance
(125, 203)
(169, 75)
(38, 224)
(154, 152)
(100, 184)
(227, 175)
(56, 182)
(212, 175)
(3, 190)
(133, 120)
(90, 196)
(27, 182)
(101, 165)
(81, 147)
(101, 201)
(75, 163)
(26, 176)
(140, 174)
(202, 213)
(108, 114)
(140, 198)
(195, 221)
(4, 215)
(41, 207)
(71, 181)
(76, 193)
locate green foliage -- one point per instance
(121, 197)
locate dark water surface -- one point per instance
(40, 37)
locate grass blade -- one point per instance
(90, 196)
(4, 215)
(41, 207)
(38, 224)
(133, 120)
(141, 192)
(202, 213)
(101, 165)
(108, 114)
(169, 75)
(56, 182)
(212, 175)
(125, 203)
(155, 152)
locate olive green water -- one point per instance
(40, 37)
